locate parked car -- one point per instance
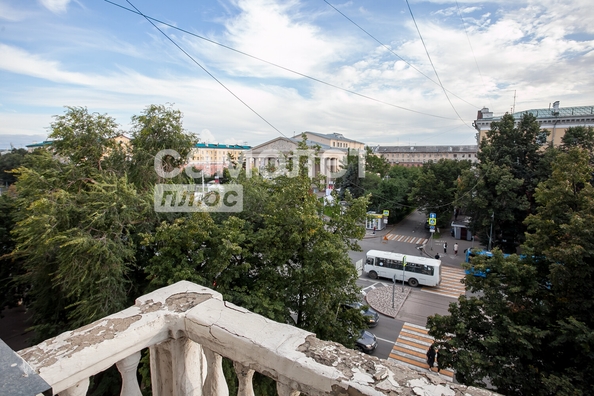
(367, 342)
(371, 316)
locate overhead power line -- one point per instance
(433, 66)
(277, 65)
(206, 71)
(394, 53)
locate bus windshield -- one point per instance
(415, 270)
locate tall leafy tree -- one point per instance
(8, 162)
(280, 257)
(435, 189)
(73, 235)
(376, 164)
(158, 128)
(499, 193)
(528, 326)
(393, 192)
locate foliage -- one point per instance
(528, 326)
(376, 164)
(11, 293)
(158, 128)
(579, 136)
(435, 189)
(73, 233)
(278, 257)
(82, 138)
(499, 193)
(393, 192)
(8, 162)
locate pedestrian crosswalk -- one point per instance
(450, 285)
(411, 347)
(406, 239)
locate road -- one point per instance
(404, 338)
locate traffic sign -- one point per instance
(432, 215)
(386, 213)
(432, 221)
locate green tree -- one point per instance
(393, 192)
(83, 138)
(73, 234)
(8, 162)
(436, 187)
(279, 257)
(579, 136)
(158, 128)
(376, 164)
(528, 326)
(499, 193)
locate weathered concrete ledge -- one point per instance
(188, 328)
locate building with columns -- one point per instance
(328, 157)
(554, 119)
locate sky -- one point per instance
(382, 72)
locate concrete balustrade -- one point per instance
(189, 329)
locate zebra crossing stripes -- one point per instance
(410, 349)
(406, 239)
(450, 285)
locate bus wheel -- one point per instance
(413, 282)
(373, 274)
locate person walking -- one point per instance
(431, 356)
(455, 249)
(445, 247)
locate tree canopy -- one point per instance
(527, 326)
(499, 193)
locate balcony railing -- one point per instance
(189, 329)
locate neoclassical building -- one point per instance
(555, 119)
(274, 154)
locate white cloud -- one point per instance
(55, 6)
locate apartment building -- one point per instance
(417, 155)
(555, 119)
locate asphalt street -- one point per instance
(405, 237)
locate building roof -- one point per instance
(553, 112)
(335, 136)
(426, 149)
(42, 144)
(222, 146)
(559, 112)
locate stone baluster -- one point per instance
(245, 376)
(176, 368)
(127, 368)
(214, 383)
(79, 389)
(286, 390)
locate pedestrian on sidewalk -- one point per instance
(431, 356)
(374, 229)
(445, 247)
(456, 248)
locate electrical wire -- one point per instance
(206, 71)
(277, 65)
(470, 44)
(394, 53)
(433, 66)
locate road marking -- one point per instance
(367, 289)
(450, 285)
(384, 340)
(407, 239)
(410, 348)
